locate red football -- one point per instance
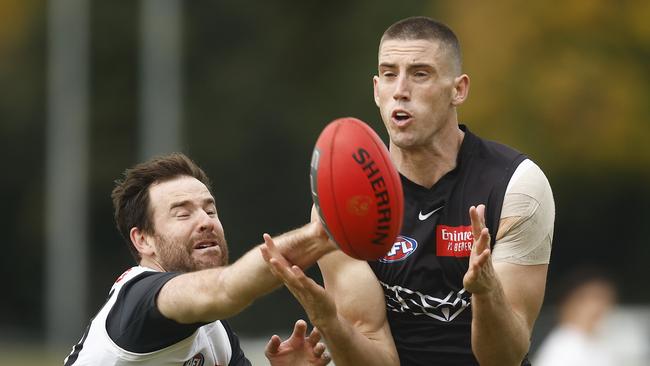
(356, 189)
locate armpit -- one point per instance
(527, 219)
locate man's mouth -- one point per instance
(205, 244)
(401, 117)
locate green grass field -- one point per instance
(28, 355)
(39, 355)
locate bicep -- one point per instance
(358, 295)
(523, 286)
(191, 297)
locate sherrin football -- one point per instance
(356, 189)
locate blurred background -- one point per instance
(88, 88)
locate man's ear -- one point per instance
(142, 242)
(461, 90)
(375, 80)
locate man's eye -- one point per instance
(182, 215)
(389, 74)
(211, 212)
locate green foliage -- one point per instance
(560, 79)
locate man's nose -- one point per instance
(402, 89)
(207, 223)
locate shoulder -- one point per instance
(490, 162)
(493, 150)
(528, 180)
(527, 218)
(140, 287)
(135, 324)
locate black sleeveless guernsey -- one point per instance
(428, 310)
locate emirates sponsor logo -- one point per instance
(454, 241)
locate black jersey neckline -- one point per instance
(464, 154)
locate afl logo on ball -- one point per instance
(359, 205)
(197, 360)
(403, 247)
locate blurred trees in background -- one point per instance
(22, 131)
(565, 82)
(568, 83)
(560, 79)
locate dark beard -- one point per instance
(175, 257)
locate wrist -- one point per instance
(326, 324)
(316, 231)
(488, 294)
(318, 234)
(305, 245)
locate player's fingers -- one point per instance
(269, 249)
(272, 250)
(324, 359)
(477, 218)
(483, 258)
(480, 210)
(479, 258)
(268, 240)
(303, 279)
(305, 282)
(276, 269)
(265, 253)
(297, 271)
(299, 275)
(314, 337)
(319, 349)
(299, 329)
(483, 241)
(280, 270)
(305, 290)
(272, 346)
(288, 277)
(475, 221)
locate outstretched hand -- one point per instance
(480, 276)
(318, 304)
(297, 350)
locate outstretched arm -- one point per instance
(350, 315)
(506, 299)
(219, 293)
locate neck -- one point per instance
(151, 263)
(425, 165)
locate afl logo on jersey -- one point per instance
(197, 360)
(403, 247)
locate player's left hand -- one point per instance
(298, 349)
(480, 277)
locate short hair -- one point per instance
(425, 28)
(131, 194)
